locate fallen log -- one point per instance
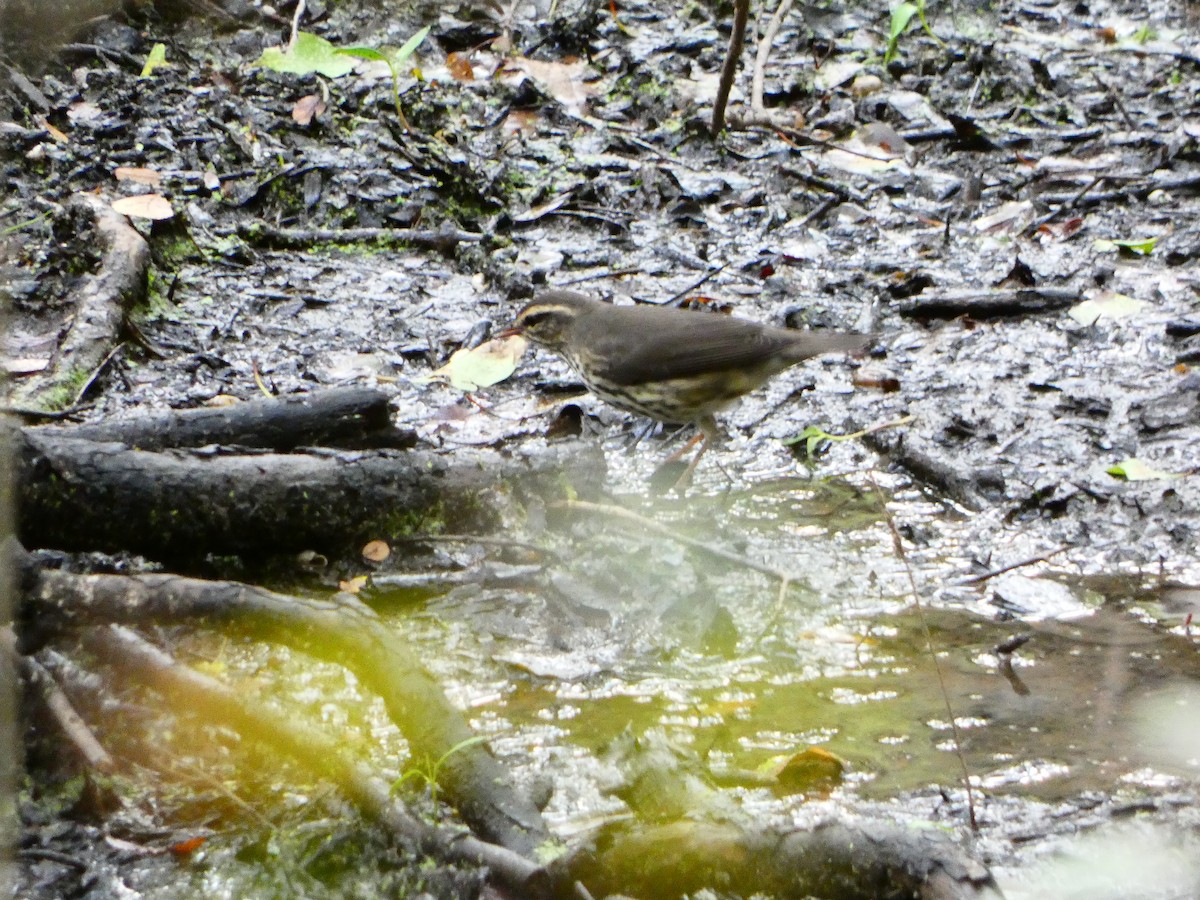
(991, 303)
(77, 494)
(98, 308)
(338, 417)
(834, 862)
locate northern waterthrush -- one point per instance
(674, 365)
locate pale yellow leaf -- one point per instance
(144, 206)
(148, 177)
(489, 363)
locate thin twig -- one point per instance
(898, 545)
(741, 12)
(60, 708)
(482, 540)
(984, 576)
(707, 276)
(1063, 207)
(619, 512)
(764, 53)
(1112, 95)
(296, 25)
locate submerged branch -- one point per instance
(346, 632)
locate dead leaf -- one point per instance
(353, 585)
(53, 132)
(26, 365)
(1010, 217)
(865, 85)
(1060, 231)
(811, 769)
(308, 108)
(144, 206)
(489, 363)
(833, 74)
(211, 181)
(564, 81)
(148, 177)
(883, 136)
(519, 121)
(376, 551)
(544, 209)
(1134, 469)
(187, 847)
(459, 67)
(1105, 305)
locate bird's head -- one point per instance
(551, 318)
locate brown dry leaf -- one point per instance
(561, 80)
(876, 378)
(188, 847)
(460, 67)
(308, 108)
(376, 551)
(54, 132)
(1060, 231)
(353, 585)
(519, 121)
(144, 206)
(810, 769)
(148, 177)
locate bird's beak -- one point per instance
(510, 331)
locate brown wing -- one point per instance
(662, 343)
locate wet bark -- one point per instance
(78, 494)
(346, 632)
(340, 417)
(832, 862)
(98, 304)
(988, 303)
(322, 755)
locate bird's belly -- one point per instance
(680, 400)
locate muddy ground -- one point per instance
(1011, 205)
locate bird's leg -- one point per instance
(686, 478)
(710, 431)
(683, 451)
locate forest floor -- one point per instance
(1009, 199)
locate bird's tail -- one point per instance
(817, 343)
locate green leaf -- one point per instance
(363, 53)
(157, 57)
(902, 14)
(410, 45)
(394, 58)
(813, 437)
(1133, 469)
(1141, 246)
(309, 54)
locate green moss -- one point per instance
(63, 394)
(429, 520)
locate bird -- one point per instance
(675, 365)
